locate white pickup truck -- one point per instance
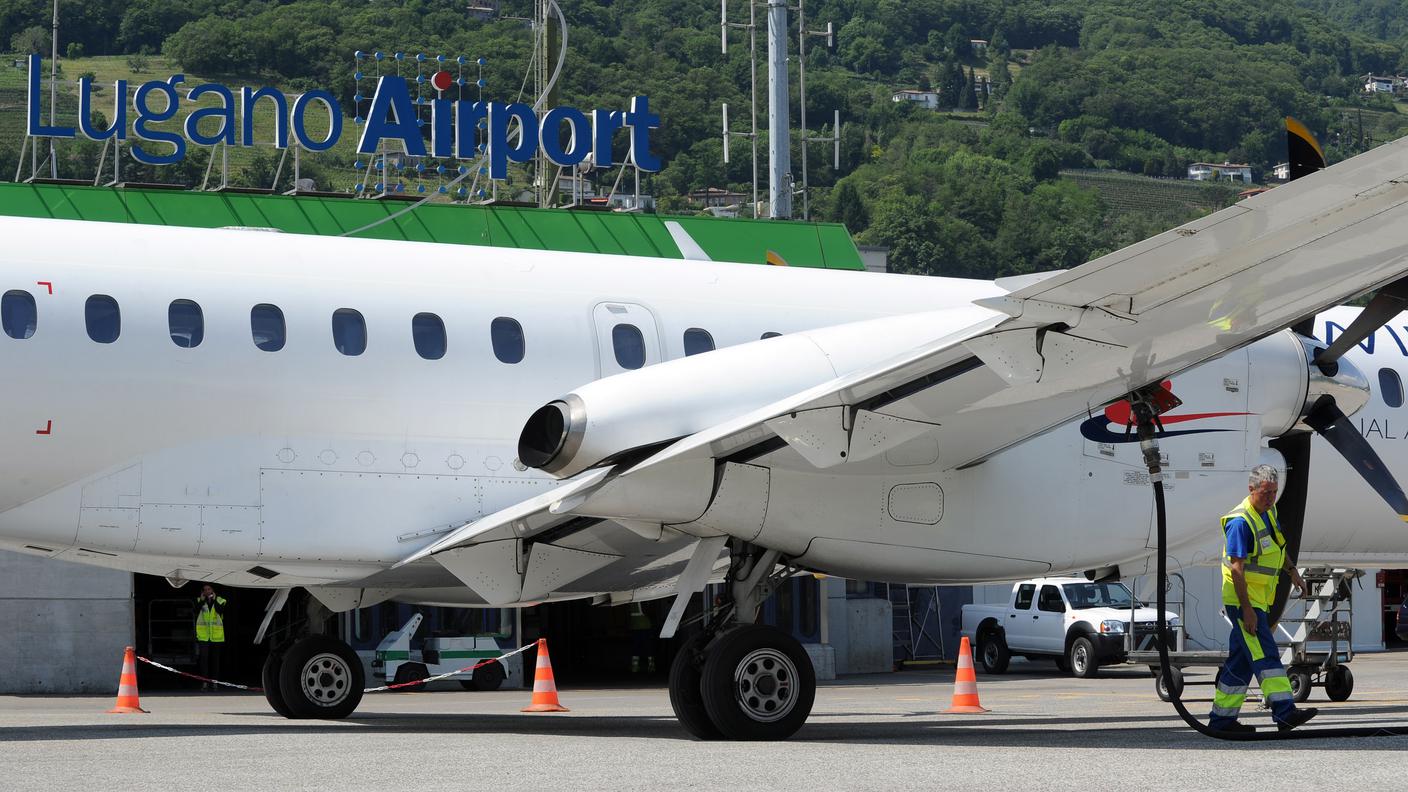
(1079, 624)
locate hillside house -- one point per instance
(979, 46)
(928, 99)
(1224, 171)
(1281, 172)
(715, 196)
(1376, 84)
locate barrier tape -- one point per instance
(381, 689)
(198, 676)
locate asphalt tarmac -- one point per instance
(1046, 731)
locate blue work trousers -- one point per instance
(1251, 653)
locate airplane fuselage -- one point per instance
(325, 453)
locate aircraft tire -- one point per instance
(686, 697)
(269, 678)
(758, 684)
(321, 677)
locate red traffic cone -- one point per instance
(544, 687)
(127, 685)
(965, 683)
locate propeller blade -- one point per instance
(1388, 303)
(1303, 151)
(1332, 424)
(1304, 156)
(1290, 509)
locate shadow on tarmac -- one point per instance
(1139, 732)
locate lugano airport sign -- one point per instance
(454, 124)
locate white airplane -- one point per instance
(448, 425)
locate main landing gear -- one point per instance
(738, 680)
(314, 677)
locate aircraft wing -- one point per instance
(1075, 341)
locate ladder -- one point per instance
(917, 634)
(1327, 618)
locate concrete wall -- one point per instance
(860, 631)
(62, 626)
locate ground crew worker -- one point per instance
(1254, 554)
(210, 633)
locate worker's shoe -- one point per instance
(1298, 718)
(1237, 727)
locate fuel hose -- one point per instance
(1145, 418)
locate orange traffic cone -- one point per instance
(127, 685)
(544, 687)
(965, 684)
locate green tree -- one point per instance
(30, 41)
(849, 209)
(969, 97)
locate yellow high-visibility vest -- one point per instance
(1263, 564)
(210, 626)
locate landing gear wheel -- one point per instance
(1300, 684)
(489, 676)
(1081, 657)
(321, 677)
(269, 679)
(993, 652)
(410, 672)
(1339, 683)
(758, 684)
(1170, 687)
(685, 696)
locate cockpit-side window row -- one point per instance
(102, 316)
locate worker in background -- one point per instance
(1254, 555)
(210, 633)
(642, 640)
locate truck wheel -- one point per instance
(993, 652)
(1339, 683)
(1081, 658)
(410, 672)
(1300, 684)
(489, 676)
(1168, 688)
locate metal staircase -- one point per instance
(915, 624)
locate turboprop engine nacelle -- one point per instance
(603, 420)
(1286, 382)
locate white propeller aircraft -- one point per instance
(448, 425)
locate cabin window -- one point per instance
(507, 335)
(629, 345)
(186, 322)
(1050, 600)
(1024, 596)
(266, 324)
(770, 334)
(18, 314)
(696, 341)
(103, 318)
(349, 332)
(428, 331)
(1391, 387)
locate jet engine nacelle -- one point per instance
(604, 420)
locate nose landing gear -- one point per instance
(739, 680)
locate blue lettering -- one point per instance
(500, 150)
(37, 128)
(442, 128)
(1396, 340)
(467, 117)
(604, 125)
(118, 127)
(1330, 328)
(300, 127)
(248, 100)
(391, 116)
(641, 121)
(225, 133)
(146, 114)
(578, 136)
